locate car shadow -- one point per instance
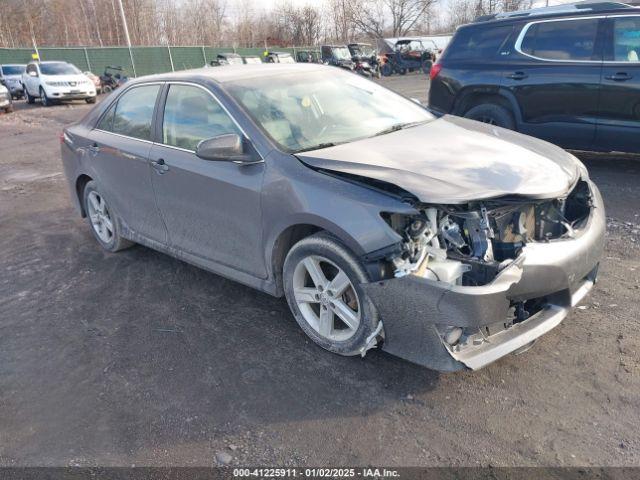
(139, 342)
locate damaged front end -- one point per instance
(470, 283)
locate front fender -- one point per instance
(294, 194)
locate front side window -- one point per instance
(626, 39)
(134, 112)
(303, 111)
(562, 40)
(192, 115)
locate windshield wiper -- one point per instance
(398, 126)
(316, 147)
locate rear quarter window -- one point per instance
(562, 40)
(474, 43)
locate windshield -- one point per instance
(13, 69)
(252, 60)
(58, 69)
(341, 53)
(312, 110)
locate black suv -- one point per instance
(568, 74)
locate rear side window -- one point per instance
(626, 39)
(106, 122)
(562, 40)
(477, 43)
(134, 112)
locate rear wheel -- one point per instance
(322, 281)
(102, 219)
(493, 115)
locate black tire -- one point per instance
(46, 102)
(402, 71)
(325, 245)
(90, 100)
(492, 114)
(30, 99)
(8, 109)
(117, 243)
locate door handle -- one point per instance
(517, 76)
(619, 77)
(160, 166)
(94, 149)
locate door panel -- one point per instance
(555, 77)
(212, 209)
(619, 110)
(121, 167)
(119, 157)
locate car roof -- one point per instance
(578, 9)
(232, 73)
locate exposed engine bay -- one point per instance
(471, 244)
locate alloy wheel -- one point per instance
(100, 217)
(326, 298)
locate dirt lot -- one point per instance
(137, 358)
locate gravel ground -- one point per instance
(137, 358)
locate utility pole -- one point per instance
(126, 35)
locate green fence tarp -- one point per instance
(146, 60)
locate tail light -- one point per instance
(435, 70)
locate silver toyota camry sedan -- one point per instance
(444, 241)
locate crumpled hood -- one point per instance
(455, 160)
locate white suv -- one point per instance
(56, 81)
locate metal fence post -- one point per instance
(170, 58)
(133, 65)
(86, 57)
(204, 56)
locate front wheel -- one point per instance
(322, 282)
(30, 99)
(102, 219)
(44, 99)
(493, 115)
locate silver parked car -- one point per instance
(447, 242)
(12, 76)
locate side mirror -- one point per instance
(227, 147)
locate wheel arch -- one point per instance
(81, 183)
(471, 97)
(295, 232)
